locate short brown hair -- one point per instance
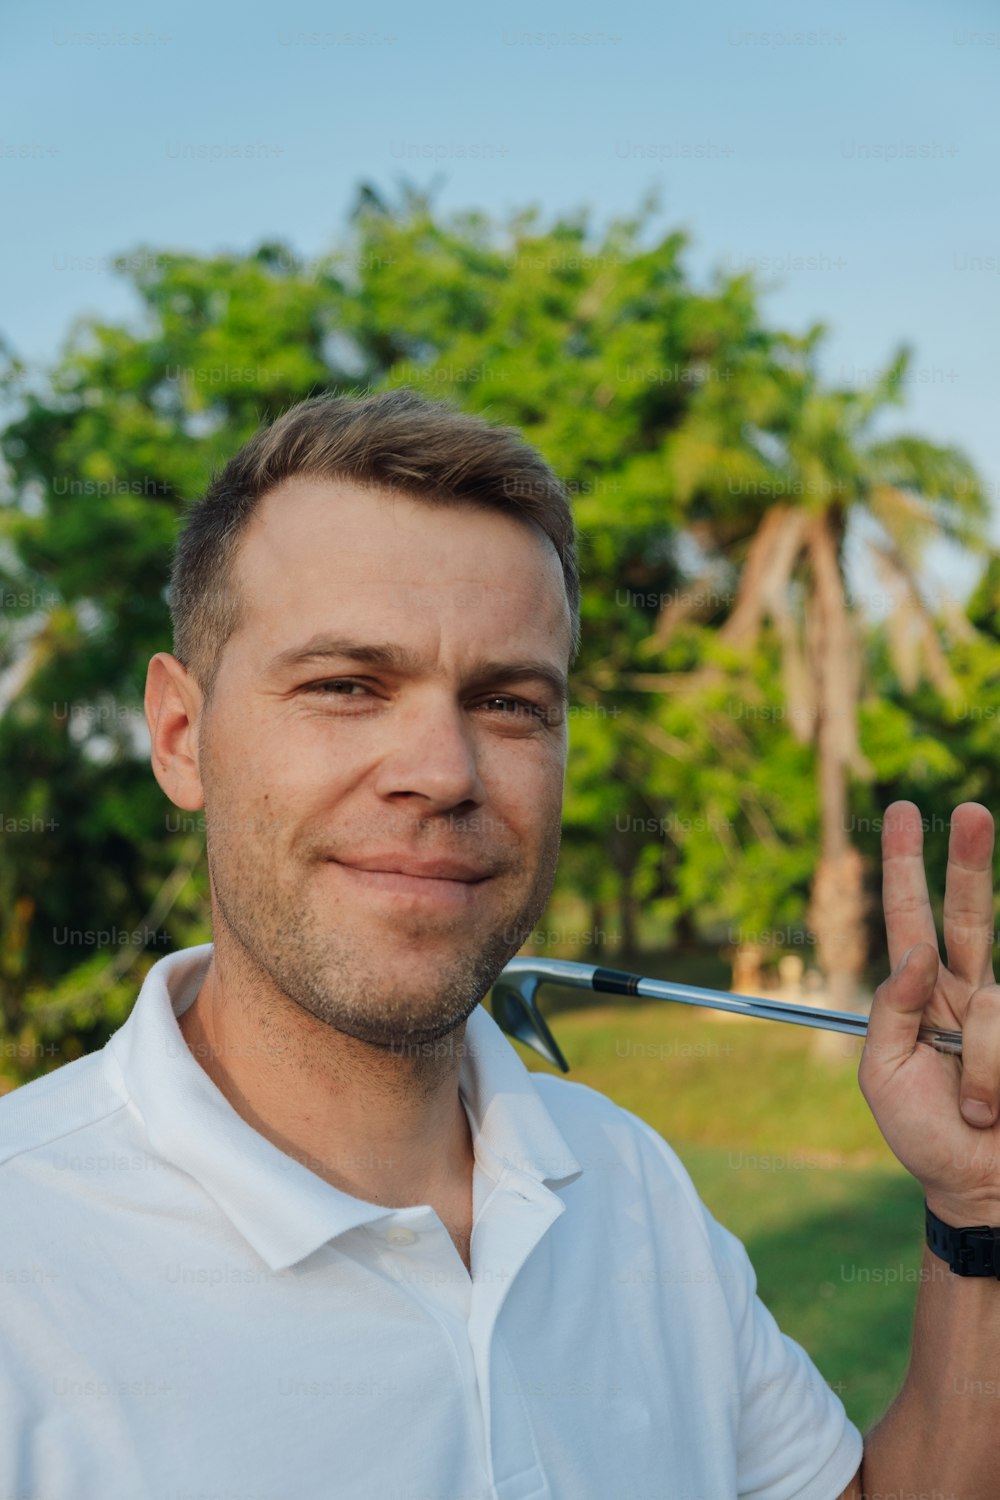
(396, 440)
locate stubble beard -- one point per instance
(275, 932)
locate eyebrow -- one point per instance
(396, 658)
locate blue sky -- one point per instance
(861, 143)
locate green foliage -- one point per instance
(675, 417)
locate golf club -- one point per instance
(516, 1012)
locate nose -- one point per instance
(430, 753)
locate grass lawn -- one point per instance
(769, 1121)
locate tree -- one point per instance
(815, 457)
(659, 402)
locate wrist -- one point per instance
(967, 1249)
(964, 1213)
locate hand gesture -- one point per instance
(940, 1114)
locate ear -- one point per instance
(173, 704)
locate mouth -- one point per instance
(448, 891)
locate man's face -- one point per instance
(311, 765)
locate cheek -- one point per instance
(528, 787)
(283, 745)
(252, 763)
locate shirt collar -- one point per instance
(285, 1210)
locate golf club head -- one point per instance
(516, 1012)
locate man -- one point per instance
(307, 1228)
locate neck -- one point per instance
(385, 1126)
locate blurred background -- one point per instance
(735, 272)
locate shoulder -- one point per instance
(583, 1113)
(622, 1152)
(58, 1105)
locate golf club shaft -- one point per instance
(524, 975)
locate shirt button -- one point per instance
(399, 1235)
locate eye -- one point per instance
(520, 705)
(337, 687)
(332, 682)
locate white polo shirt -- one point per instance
(186, 1313)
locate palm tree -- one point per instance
(806, 464)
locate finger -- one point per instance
(897, 1009)
(908, 916)
(980, 1091)
(968, 895)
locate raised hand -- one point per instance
(940, 1114)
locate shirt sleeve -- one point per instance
(795, 1440)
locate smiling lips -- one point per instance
(424, 869)
(443, 880)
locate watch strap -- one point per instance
(972, 1251)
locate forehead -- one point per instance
(319, 553)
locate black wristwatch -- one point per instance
(969, 1252)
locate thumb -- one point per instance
(898, 1007)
